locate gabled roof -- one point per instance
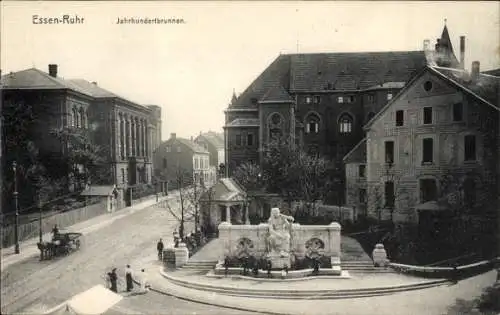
(98, 92)
(190, 145)
(226, 189)
(216, 139)
(297, 73)
(34, 79)
(493, 72)
(485, 88)
(276, 94)
(92, 88)
(352, 71)
(357, 154)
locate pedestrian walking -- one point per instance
(159, 248)
(113, 279)
(144, 286)
(129, 279)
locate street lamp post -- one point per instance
(16, 205)
(40, 218)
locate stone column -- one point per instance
(228, 213)
(144, 137)
(247, 219)
(128, 139)
(137, 137)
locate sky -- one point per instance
(190, 70)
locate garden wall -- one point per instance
(63, 220)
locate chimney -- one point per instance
(436, 47)
(475, 69)
(173, 136)
(427, 43)
(462, 52)
(53, 70)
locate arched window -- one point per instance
(275, 124)
(345, 123)
(312, 123)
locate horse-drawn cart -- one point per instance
(61, 244)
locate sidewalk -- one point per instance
(29, 247)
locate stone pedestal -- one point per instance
(379, 256)
(181, 255)
(279, 262)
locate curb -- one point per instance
(305, 295)
(184, 298)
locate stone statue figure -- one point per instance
(279, 233)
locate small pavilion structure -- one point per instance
(226, 201)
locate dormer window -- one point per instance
(308, 100)
(389, 96)
(340, 99)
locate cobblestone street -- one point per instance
(33, 286)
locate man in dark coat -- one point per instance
(129, 279)
(159, 248)
(113, 279)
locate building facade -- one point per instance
(178, 156)
(435, 147)
(50, 103)
(322, 101)
(214, 143)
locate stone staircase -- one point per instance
(200, 264)
(363, 266)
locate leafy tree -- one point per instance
(249, 175)
(84, 161)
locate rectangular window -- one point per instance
(340, 99)
(178, 149)
(428, 150)
(389, 152)
(164, 163)
(427, 115)
(389, 194)
(362, 195)
(362, 171)
(308, 100)
(317, 99)
(250, 139)
(428, 190)
(389, 96)
(350, 99)
(371, 98)
(168, 149)
(238, 140)
(458, 112)
(470, 148)
(400, 118)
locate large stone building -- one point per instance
(35, 104)
(321, 101)
(435, 146)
